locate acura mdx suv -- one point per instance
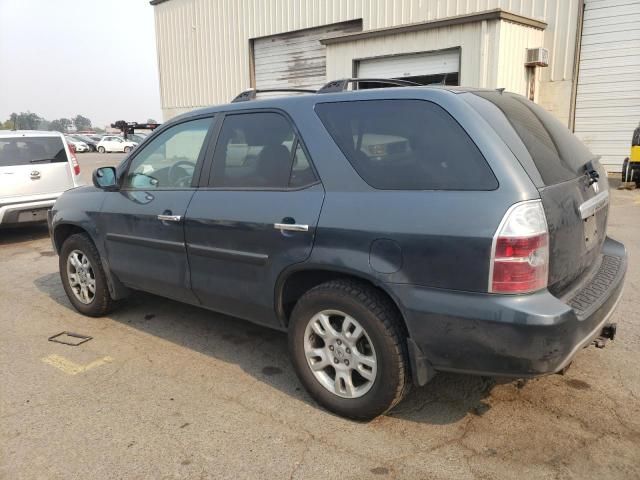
(392, 233)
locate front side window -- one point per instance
(169, 161)
(31, 150)
(406, 145)
(259, 150)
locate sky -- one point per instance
(97, 58)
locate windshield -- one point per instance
(26, 151)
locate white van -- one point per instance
(35, 168)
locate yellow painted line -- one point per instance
(72, 368)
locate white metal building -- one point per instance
(210, 50)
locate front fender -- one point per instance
(77, 211)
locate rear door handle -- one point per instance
(170, 218)
(292, 227)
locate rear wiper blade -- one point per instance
(41, 160)
(591, 172)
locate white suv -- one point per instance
(112, 143)
(35, 168)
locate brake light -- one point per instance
(74, 159)
(520, 252)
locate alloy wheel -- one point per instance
(81, 277)
(340, 354)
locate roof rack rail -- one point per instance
(341, 85)
(252, 92)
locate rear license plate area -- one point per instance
(39, 215)
(590, 232)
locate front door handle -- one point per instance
(169, 218)
(292, 227)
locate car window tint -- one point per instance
(254, 150)
(31, 150)
(406, 145)
(169, 161)
(557, 153)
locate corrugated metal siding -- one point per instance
(410, 65)
(514, 41)
(608, 96)
(203, 45)
(295, 60)
(340, 56)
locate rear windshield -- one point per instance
(406, 145)
(31, 150)
(557, 153)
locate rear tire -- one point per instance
(379, 350)
(127, 149)
(83, 276)
(101, 149)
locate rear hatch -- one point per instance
(573, 185)
(33, 165)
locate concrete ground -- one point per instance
(165, 390)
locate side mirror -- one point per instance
(105, 178)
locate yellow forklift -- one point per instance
(631, 165)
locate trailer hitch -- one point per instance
(608, 333)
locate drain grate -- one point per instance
(70, 338)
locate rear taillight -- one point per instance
(520, 252)
(74, 159)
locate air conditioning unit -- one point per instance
(537, 57)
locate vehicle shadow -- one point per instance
(262, 353)
(16, 235)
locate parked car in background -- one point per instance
(35, 168)
(113, 143)
(79, 145)
(91, 143)
(393, 233)
(136, 137)
(96, 138)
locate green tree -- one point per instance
(60, 125)
(151, 120)
(82, 123)
(23, 121)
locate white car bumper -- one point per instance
(28, 209)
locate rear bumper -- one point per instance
(512, 335)
(10, 209)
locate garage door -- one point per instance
(296, 59)
(608, 95)
(425, 68)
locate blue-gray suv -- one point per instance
(392, 232)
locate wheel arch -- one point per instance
(63, 231)
(295, 282)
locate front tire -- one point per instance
(101, 149)
(349, 350)
(83, 276)
(127, 149)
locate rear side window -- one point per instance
(406, 145)
(260, 150)
(557, 153)
(31, 150)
